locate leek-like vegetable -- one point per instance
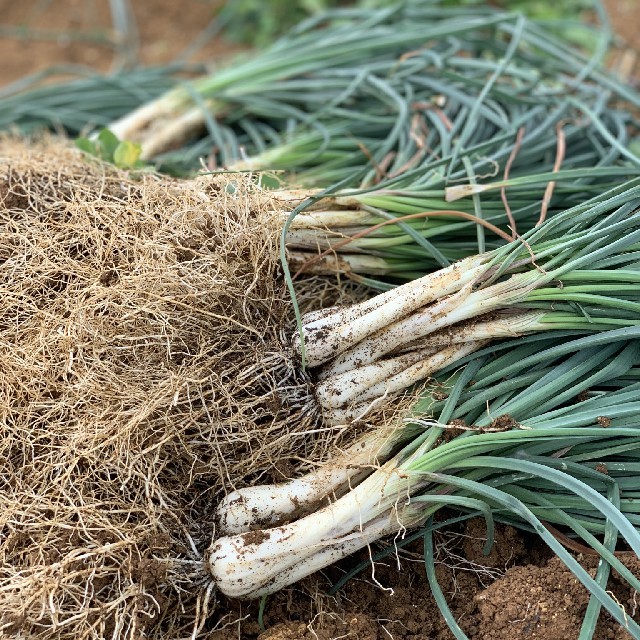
(265, 505)
(532, 452)
(473, 101)
(372, 93)
(603, 235)
(381, 346)
(538, 418)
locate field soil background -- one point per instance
(518, 591)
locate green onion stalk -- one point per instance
(541, 432)
(336, 97)
(350, 96)
(388, 236)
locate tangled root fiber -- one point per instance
(143, 374)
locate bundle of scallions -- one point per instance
(541, 416)
(406, 108)
(331, 91)
(577, 270)
(390, 114)
(533, 453)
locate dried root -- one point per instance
(143, 375)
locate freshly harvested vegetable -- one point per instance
(363, 91)
(265, 505)
(393, 234)
(389, 126)
(550, 437)
(528, 435)
(556, 276)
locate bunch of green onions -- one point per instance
(577, 271)
(352, 95)
(533, 453)
(337, 96)
(360, 66)
(387, 116)
(531, 446)
(336, 68)
(384, 236)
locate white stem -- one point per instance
(291, 198)
(472, 266)
(382, 526)
(503, 326)
(332, 219)
(352, 413)
(354, 386)
(173, 133)
(337, 263)
(346, 415)
(327, 338)
(316, 240)
(131, 126)
(508, 326)
(272, 504)
(312, 316)
(338, 390)
(396, 335)
(444, 313)
(421, 370)
(346, 201)
(249, 563)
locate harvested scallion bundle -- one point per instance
(401, 106)
(401, 234)
(530, 437)
(511, 119)
(532, 452)
(576, 271)
(370, 93)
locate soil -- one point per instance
(518, 591)
(36, 34)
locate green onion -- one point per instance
(540, 416)
(515, 462)
(386, 344)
